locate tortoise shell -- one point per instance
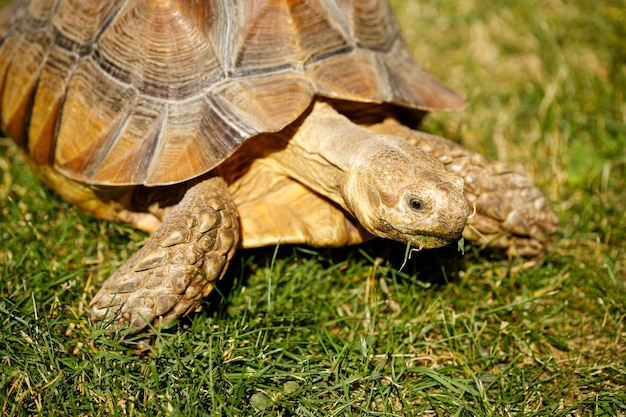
(156, 92)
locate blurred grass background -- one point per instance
(343, 332)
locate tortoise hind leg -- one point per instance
(178, 265)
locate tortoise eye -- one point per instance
(416, 204)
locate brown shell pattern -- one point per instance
(156, 92)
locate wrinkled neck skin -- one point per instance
(393, 189)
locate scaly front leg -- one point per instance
(179, 264)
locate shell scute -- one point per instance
(372, 24)
(356, 76)
(49, 97)
(76, 24)
(263, 26)
(268, 102)
(20, 81)
(157, 47)
(39, 12)
(320, 29)
(128, 159)
(94, 109)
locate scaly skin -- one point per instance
(178, 265)
(510, 214)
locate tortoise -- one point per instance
(215, 125)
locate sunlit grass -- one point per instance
(343, 332)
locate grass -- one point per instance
(343, 332)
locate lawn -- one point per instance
(348, 332)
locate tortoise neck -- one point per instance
(324, 151)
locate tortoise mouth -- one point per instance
(430, 242)
(420, 240)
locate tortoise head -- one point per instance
(402, 193)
